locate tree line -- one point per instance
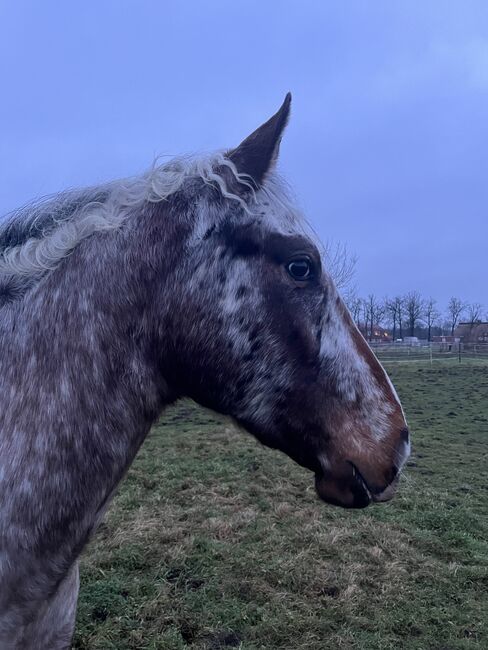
(412, 315)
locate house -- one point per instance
(446, 343)
(379, 334)
(447, 338)
(473, 332)
(412, 341)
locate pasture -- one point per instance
(216, 542)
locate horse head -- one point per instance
(260, 333)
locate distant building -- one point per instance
(445, 339)
(472, 332)
(379, 334)
(411, 340)
(446, 343)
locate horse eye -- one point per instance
(300, 268)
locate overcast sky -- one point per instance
(387, 149)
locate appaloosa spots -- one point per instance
(137, 293)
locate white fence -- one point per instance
(432, 353)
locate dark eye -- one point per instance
(300, 268)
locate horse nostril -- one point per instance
(405, 436)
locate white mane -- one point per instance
(98, 209)
(35, 239)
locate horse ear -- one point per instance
(257, 154)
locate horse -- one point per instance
(197, 279)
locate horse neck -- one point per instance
(81, 385)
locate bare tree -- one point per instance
(365, 321)
(455, 308)
(389, 314)
(394, 309)
(341, 264)
(474, 312)
(373, 313)
(414, 306)
(379, 313)
(431, 315)
(354, 304)
(401, 314)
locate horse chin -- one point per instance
(347, 490)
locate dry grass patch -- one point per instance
(216, 542)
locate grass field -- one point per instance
(215, 542)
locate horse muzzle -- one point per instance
(351, 490)
(348, 486)
(357, 483)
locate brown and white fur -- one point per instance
(198, 279)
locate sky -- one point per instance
(386, 150)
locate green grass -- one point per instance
(215, 542)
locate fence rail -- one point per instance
(431, 353)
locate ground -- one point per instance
(216, 542)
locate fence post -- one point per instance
(459, 351)
(430, 350)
